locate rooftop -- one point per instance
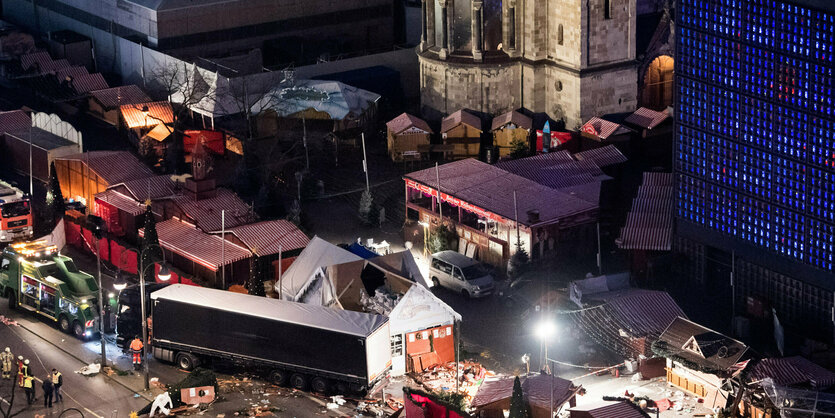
(122, 95)
(85, 83)
(158, 112)
(512, 117)
(495, 392)
(338, 100)
(611, 409)
(40, 138)
(14, 120)
(647, 118)
(492, 189)
(649, 224)
(405, 121)
(113, 166)
(270, 237)
(693, 342)
(459, 117)
(207, 250)
(603, 156)
(206, 213)
(603, 129)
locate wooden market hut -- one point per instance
(408, 137)
(510, 127)
(462, 130)
(105, 104)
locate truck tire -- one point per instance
(187, 361)
(279, 377)
(77, 330)
(341, 388)
(298, 381)
(320, 385)
(64, 324)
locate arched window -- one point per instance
(559, 34)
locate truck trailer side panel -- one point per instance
(258, 337)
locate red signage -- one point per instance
(454, 201)
(559, 138)
(589, 129)
(213, 140)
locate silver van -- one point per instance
(460, 273)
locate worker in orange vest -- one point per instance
(136, 348)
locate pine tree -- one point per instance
(518, 263)
(519, 149)
(55, 206)
(441, 238)
(150, 242)
(517, 401)
(256, 276)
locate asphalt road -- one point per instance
(96, 396)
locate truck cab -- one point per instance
(36, 278)
(15, 214)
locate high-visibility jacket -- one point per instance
(27, 382)
(24, 370)
(56, 378)
(136, 345)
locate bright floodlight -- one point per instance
(544, 329)
(164, 274)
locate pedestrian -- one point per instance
(6, 360)
(48, 389)
(57, 381)
(136, 348)
(20, 371)
(29, 388)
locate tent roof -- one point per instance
(337, 99)
(404, 264)
(348, 322)
(420, 309)
(318, 254)
(536, 388)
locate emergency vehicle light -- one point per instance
(34, 248)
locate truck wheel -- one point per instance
(187, 361)
(341, 388)
(12, 301)
(279, 377)
(298, 381)
(319, 385)
(64, 324)
(77, 330)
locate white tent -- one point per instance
(420, 309)
(311, 264)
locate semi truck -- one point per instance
(129, 312)
(15, 214)
(35, 277)
(305, 346)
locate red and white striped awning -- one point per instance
(188, 241)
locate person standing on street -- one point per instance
(20, 371)
(6, 360)
(136, 348)
(47, 387)
(29, 388)
(57, 381)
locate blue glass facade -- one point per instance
(755, 128)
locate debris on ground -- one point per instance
(90, 369)
(442, 377)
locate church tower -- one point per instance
(572, 59)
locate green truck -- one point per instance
(35, 277)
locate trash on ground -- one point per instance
(90, 369)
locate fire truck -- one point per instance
(35, 277)
(15, 214)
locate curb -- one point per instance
(84, 362)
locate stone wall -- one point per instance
(607, 92)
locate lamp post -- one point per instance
(164, 275)
(425, 226)
(544, 330)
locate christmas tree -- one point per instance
(55, 207)
(151, 251)
(517, 401)
(256, 276)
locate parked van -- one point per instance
(460, 273)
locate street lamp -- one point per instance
(164, 275)
(425, 226)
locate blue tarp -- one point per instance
(362, 251)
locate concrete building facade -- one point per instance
(570, 59)
(203, 28)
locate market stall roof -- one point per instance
(121, 202)
(491, 189)
(268, 237)
(603, 156)
(559, 170)
(342, 321)
(603, 129)
(158, 112)
(647, 118)
(337, 99)
(405, 121)
(404, 264)
(702, 345)
(112, 166)
(159, 133)
(72, 72)
(117, 96)
(318, 255)
(42, 139)
(495, 392)
(459, 117)
(207, 213)
(610, 409)
(153, 187)
(85, 83)
(649, 224)
(514, 117)
(792, 371)
(419, 309)
(14, 120)
(188, 241)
